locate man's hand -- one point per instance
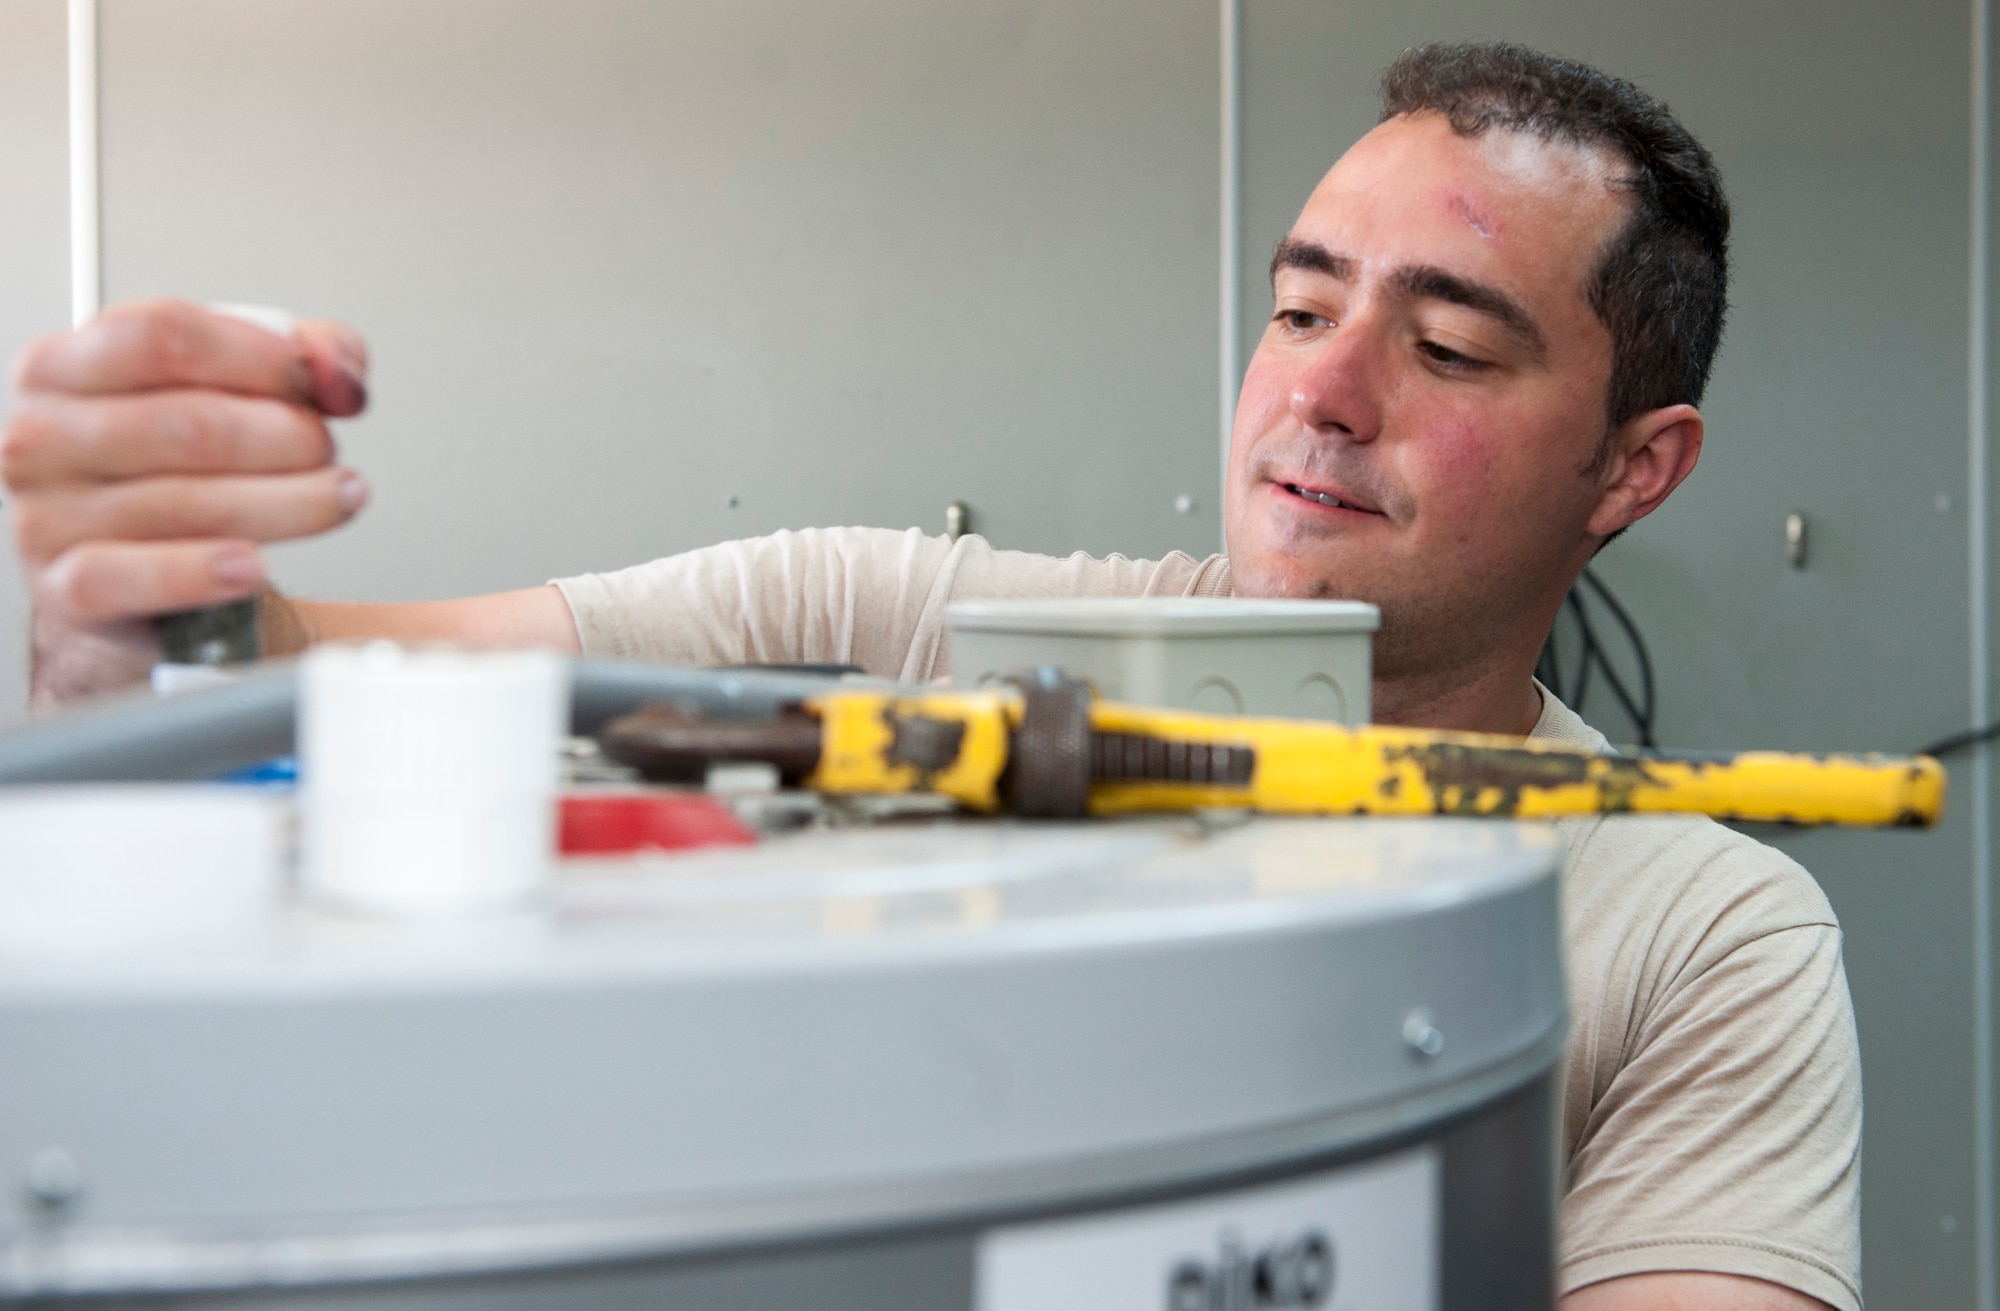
(1687, 1290)
(149, 453)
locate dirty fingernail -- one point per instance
(350, 354)
(349, 357)
(342, 391)
(353, 493)
(236, 566)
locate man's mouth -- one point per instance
(1327, 499)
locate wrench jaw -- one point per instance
(669, 743)
(1026, 748)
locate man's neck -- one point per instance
(1501, 701)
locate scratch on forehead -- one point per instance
(1475, 215)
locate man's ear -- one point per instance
(1650, 454)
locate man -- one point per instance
(1493, 321)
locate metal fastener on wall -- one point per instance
(957, 520)
(1795, 539)
(1421, 1033)
(53, 1178)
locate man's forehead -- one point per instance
(1476, 213)
(1526, 155)
(1502, 192)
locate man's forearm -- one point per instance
(71, 660)
(282, 626)
(1689, 1290)
(530, 617)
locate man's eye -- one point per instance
(1301, 320)
(1450, 358)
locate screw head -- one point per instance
(1184, 504)
(1421, 1033)
(53, 1178)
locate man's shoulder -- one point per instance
(1677, 866)
(980, 570)
(1682, 879)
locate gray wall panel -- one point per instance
(620, 261)
(1843, 135)
(34, 254)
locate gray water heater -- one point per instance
(1172, 1064)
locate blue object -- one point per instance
(278, 771)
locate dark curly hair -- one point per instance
(1662, 288)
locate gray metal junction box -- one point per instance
(945, 1064)
(1301, 659)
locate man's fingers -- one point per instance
(149, 451)
(100, 581)
(52, 439)
(148, 344)
(262, 509)
(154, 344)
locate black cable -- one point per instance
(1639, 651)
(1587, 653)
(1548, 666)
(1959, 741)
(1639, 709)
(1641, 718)
(1593, 654)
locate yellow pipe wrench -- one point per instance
(1046, 746)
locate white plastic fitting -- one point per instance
(428, 777)
(124, 866)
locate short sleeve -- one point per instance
(820, 595)
(872, 597)
(1729, 1139)
(1712, 1085)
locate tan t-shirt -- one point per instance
(1712, 1088)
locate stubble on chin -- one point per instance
(1284, 584)
(1411, 640)
(1280, 566)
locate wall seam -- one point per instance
(1978, 529)
(1230, 114)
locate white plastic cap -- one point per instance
(428, 777)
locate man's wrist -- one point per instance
(70, 662)
(284, 627)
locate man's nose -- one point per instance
(1337, 392)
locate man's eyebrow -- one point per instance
(1293, 253)
(1424, 282)
(1428, 283)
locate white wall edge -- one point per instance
(85, 249)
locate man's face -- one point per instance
(1417, 421)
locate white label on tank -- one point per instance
(1362, 1238)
